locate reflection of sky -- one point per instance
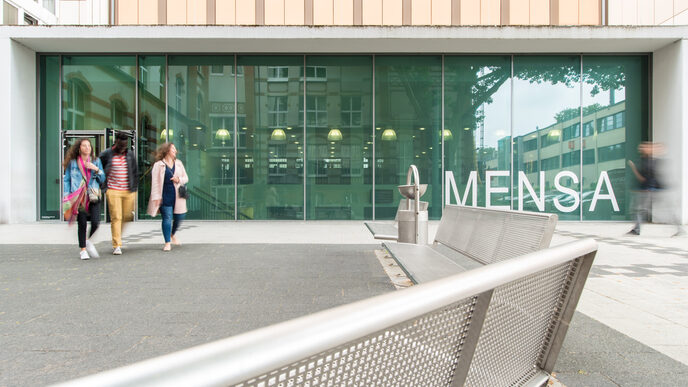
(535, 105)
(497, 117)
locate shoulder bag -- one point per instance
(183, 192)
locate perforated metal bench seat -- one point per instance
(430, 262)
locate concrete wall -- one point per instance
(670, 122)
(359, 12)
(18, 191)
(5, 109)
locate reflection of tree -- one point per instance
(604, 77)
(571, 113)
(472, 84)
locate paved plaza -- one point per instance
(62, 318)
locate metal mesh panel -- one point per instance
(419, 352)
(492, 236)
(521, 236)
(456, 231)
(487, 235)
(518, 327)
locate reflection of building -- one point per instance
(557, 147)
(270, 128)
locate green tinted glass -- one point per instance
(201, 125)
(339, 110)
(546, 103)
(151, 120)
(477, 117)
(408, 92)
(615, 121)
(270, 130)
(98, 92)
(50, 147)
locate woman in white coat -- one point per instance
(167, 176)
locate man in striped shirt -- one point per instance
(121, 171)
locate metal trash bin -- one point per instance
(412, 222)
(407, 227)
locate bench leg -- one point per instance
(570, 301)
(466, 356)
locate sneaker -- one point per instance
(633, 232)
(92, 249)
(117, 251)
(84, 255)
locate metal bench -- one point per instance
(469, 237)
(389, 230)
(435, 334)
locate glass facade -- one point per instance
(152, 120)
(615, 114)
(330, 137)
(98, 92)
(200, 103)
(546, 104)
(477, 119)
(408, 117)
(339, 153)
(271, 137)
(49, 140)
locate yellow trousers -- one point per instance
(121, 207)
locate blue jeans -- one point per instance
(170, 227)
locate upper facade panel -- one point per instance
(358, 12)
(347, 12)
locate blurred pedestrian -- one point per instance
(651, 191)
(81, 193)
(121, 171)
(167, 177)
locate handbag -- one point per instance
(183, 192)
(94, 194)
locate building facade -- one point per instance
(316, 121)
(28, 12)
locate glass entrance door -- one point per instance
(97, 139)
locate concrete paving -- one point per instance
(61, 318)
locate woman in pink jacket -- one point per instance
(167, 176)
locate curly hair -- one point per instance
(162, 151)
(74, 151)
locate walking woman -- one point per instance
(81, 195)
(167, 176)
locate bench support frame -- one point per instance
(479, 313)
(558, 332)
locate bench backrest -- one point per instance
(421, 336)
(402, 206)
(489, 235)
